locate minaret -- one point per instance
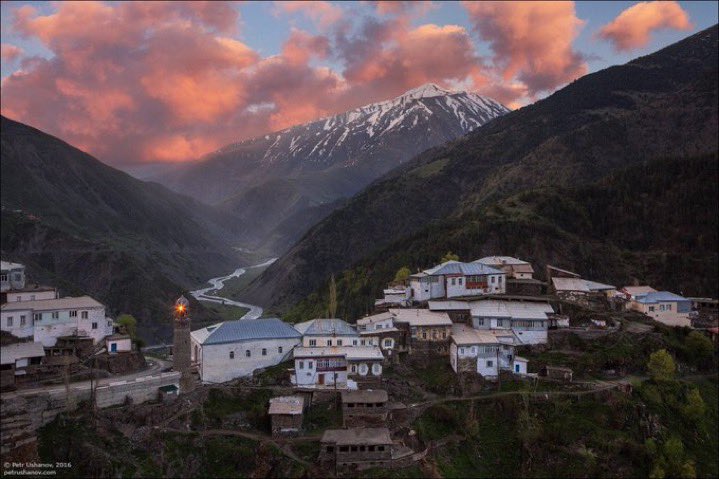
(181, 361)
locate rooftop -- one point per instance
(635, 290)
(244, 330)
(421, 317)
(499, 260)
(456, 267)
(325, 327)
(560, 270)
(12, 352)
(7, 265)
(365, 395)
(348, 352)
(80, 302)
(464, 335)
(286, 405)
(579, 284)
(510, 309)
(659, 296)
(32, 288)
(358, 436)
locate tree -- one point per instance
(700, 348)
(402, 275)
(661, 366)
(694, 408)
(449, 256)
(129, 324)
(332, 307)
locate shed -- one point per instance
(286, 415)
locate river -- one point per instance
(219, 282)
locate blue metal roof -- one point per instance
(326, 327)
(658, 296)
(250, 329)
(455, 267)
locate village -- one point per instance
(485, 321)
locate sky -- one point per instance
(136, 83)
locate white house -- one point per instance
(46, 320)
(379, 330)
(481, 351)
(513, 267)
(528, 320)
(12, 276)
(632, 292)
(334, 367)
(395, 295)
(233, 349)
(455, 279)
(665, 307)
(327, 333)
(118, 343)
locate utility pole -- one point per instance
(499, 375)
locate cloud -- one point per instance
(410, 9)
(531, 41)
(633, 27)
(323, 14)
(9, 52)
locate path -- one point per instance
(218, 283)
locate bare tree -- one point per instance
(332, 307)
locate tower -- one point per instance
(181, 343)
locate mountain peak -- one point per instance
(425, 91)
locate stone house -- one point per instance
(12, 276)
(367, 407)
(423, 330)
(481, 351)
(456, 279)
(323, 332)
(379, 330)
(356, 447)
(337, 367)
(19, 360)
(286, 415)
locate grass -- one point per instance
(222, 403)
(323, 416)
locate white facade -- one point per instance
(487, 351)
(467, 286)
(40, 295)
(527, 320)
(664, 312)
(519, 366)
(329, 341)
(46, 320)
(118, 344)
(332, 367)
(426, 287)
(218, 363)
(12, 276)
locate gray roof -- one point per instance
(455, 267)
(68, 302)
(245, 330)
(659, 296)
(325, 327)
(12, 352)
(358, 436)
(365, 395)
(7, 265)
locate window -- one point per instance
(339, 342)
(354, 342)
(73, 314)
(9, 321)
(353, 448)
(37, 316)
(232, 355)
(380, 448)
(3, 277)
(490, 364)
(18, 277)
(264, 352)
(459, 281)
(279, 350)
(661, 307)
(651, 309)
(371, 448)
(22, 320)
(309, 364)
(84, 315)
(444, 334)
(499, 279)
(18, 298)
(32, 297)
(480, 321)
(109, 324)
(376, 369)
(354, 368)
(453, 281)
(363, 342)
(461, 350)
(330, 449)
(493, 278)
(344, 448)
(669, 307)
(248, 353)
(313, 342)
(329, 342)
(424, 334)
(55, 314)
(94, 325)
(388, 343)
(302, 364)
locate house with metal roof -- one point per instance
(233, 349)
(337, 366)
(286, 415)
(514, 267)
(663, 306)
(455, 279)
(324, 332)
(484, 352)
(12, 276)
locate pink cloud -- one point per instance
(414, 9)
(531, 41)
(10, 53)
(322, 13)
(633, 27)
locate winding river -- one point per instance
(218, 283)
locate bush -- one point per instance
(661, 366)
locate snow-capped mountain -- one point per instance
(294, 175)
(343, 138)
